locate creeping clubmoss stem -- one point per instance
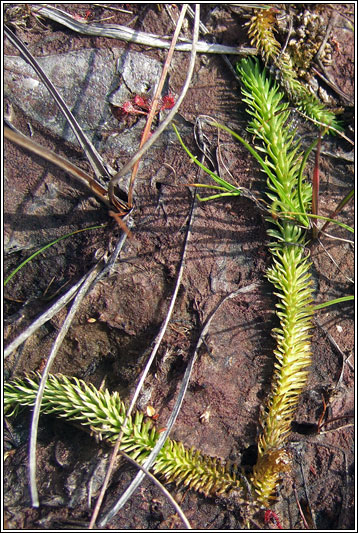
(104, 413)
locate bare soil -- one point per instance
(112, 333)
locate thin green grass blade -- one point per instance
(12, 274)
(205, 186)
(333, 302)
(225, 184)
(215, 196)
(320, 217)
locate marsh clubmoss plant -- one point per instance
(261, 33)
(104, 414)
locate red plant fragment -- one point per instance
(167, 102)
(271, 516)
(141, 102)
(139, 105)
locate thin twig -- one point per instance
(307, 495)
(349, 99)
(243, 190)
(331, 447)
(87, 283)
(177, 406)
(334, 419)
(338, 209)
(105, 6)
(67, 297)
(124, 33)
(329, 236)
(326, 37)
(155, 101)
(93, 156)
(162, 488)
(61, 162)
(336, 348)
(289, 32)
(300, 509)
(200, 139)
(115, 254)
(334, 262)
(127, 167)
(171, 307)
(150, 460)
(161, 440)
(47, 315)
(204, 30)
(82, 291)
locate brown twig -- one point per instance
(300, 509)
(155, 101)
(71, 169)
(92, 155)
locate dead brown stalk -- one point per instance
(155, 101)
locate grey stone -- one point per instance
(87, 80)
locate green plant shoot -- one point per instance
(43, 248)
(103, 413)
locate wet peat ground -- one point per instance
(112, 333)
